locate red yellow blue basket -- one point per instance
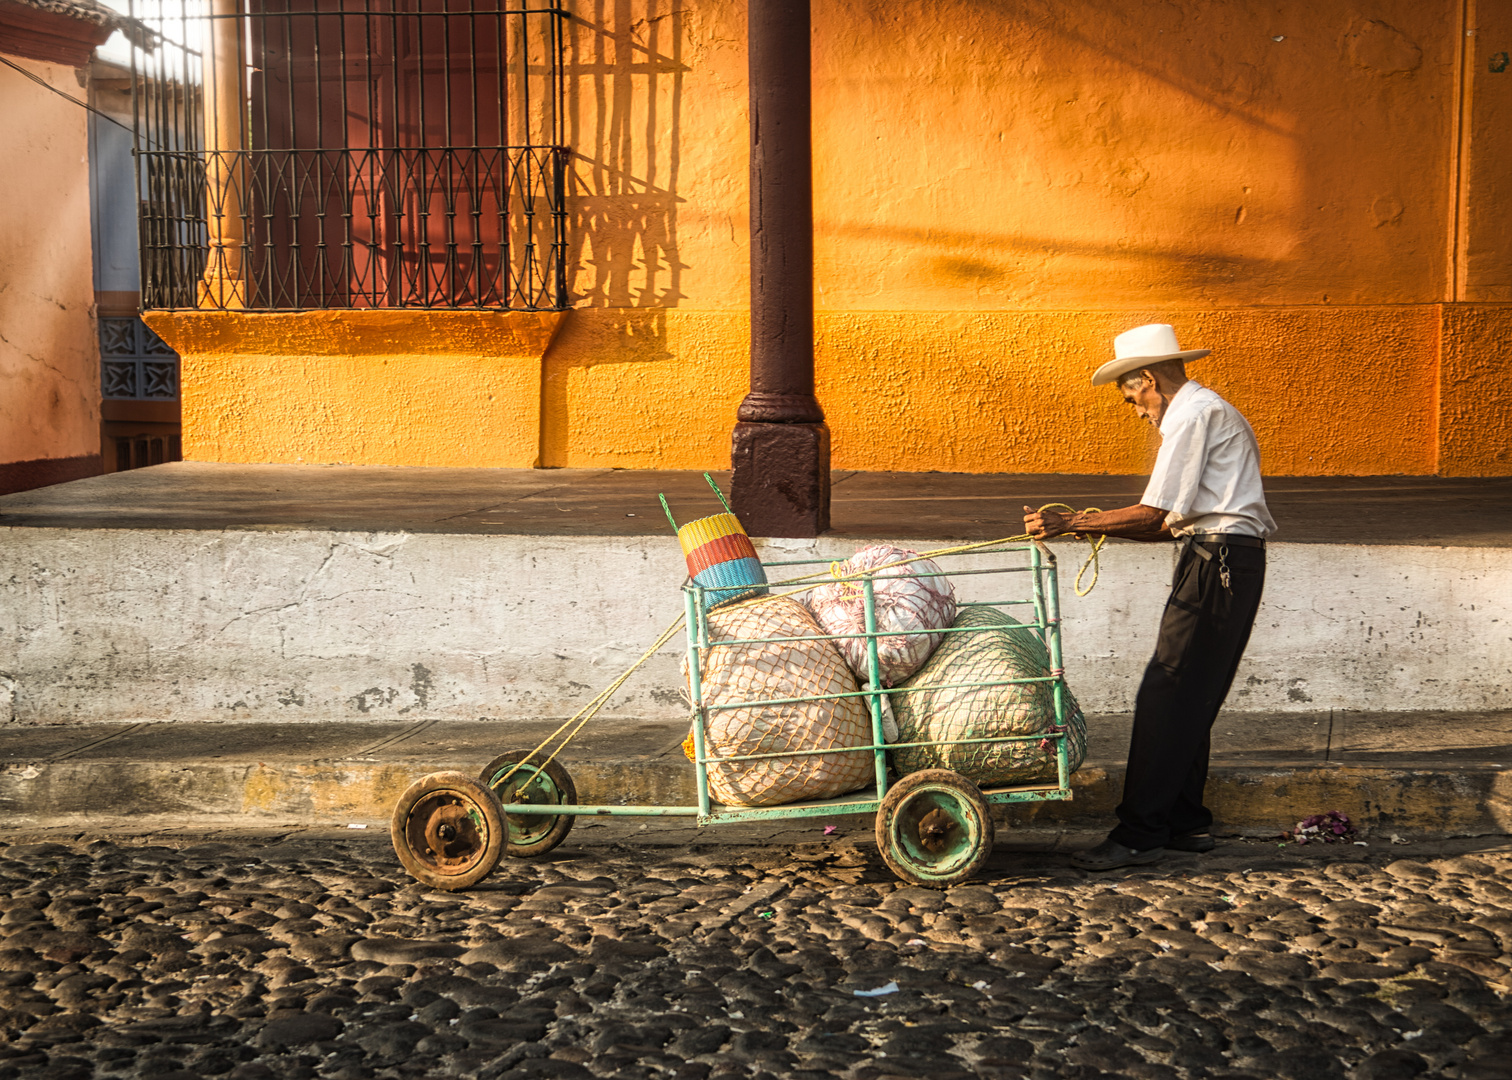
(720, 555)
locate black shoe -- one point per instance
(1197, 842)
(1110, 855)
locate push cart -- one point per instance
(934, 827)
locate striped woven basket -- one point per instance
(720, 555)
(722, 559)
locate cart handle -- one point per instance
(670, 520)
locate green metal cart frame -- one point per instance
(934, 827)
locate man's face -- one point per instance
(1145, 396)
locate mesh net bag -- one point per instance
(771, 670)
(1008, 651)
(901, 604)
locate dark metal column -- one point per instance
(780, 447)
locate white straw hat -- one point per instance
(1141, 347)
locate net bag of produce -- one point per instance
(1008, 650)
(902, 603)
(771, 670)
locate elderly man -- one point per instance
(1205, 493)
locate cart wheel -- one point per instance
(934, 828)
(531, 835)
(448, 830)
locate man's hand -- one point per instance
(1137, 522)
(1043, 524)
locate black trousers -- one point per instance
(1202, 637)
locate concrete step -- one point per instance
(1419, 775)
(201, 593)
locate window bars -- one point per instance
(305, 154)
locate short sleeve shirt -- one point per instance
(1207, 476)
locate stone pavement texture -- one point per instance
(312, 956)
(1459, 512)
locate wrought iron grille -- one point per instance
(300, 154)
(139, 451)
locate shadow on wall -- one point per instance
(1014, 154)
(609, 342)
(624, 69)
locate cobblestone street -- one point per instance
(314, 956)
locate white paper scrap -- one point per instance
(890, 988)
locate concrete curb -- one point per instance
(305, 626)
(1258, 799)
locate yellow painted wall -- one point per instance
(458, 388)
(1314, 191)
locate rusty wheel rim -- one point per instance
(447, 832)
(936, 832)
(531, 786)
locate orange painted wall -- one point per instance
(1475, 391)
(1105, 154)
(1001, 391)
(1092, 154)
(999, 189)
(1483, 255)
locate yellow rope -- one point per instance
(1094, 544)
(589, 711)
(837, 572)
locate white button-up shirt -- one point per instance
(1207, 477)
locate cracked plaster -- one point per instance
(49, 357)
(303, 625)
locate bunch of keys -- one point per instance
(1223, 570)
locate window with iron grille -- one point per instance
(301, 154)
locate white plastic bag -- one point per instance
(902, 603)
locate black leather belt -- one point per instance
(1231, 539)
(1208, 546)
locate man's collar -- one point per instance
(1180, 401)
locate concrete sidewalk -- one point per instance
(1414, 774)
(364, 626)
(1449, 511)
